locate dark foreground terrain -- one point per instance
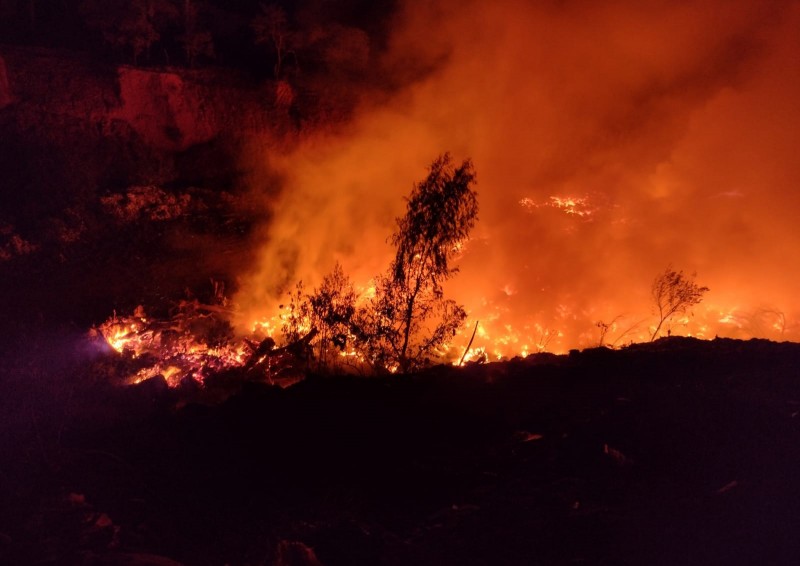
(677, 452)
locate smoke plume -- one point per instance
(610, 140)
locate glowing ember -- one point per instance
(170, 348)
(577, 206)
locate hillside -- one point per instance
(675, 452)
(171, 192)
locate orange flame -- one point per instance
(610, 140)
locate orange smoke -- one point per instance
(609, 140)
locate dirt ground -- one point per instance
(676, 452)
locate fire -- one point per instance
(577, 206)
(121, 337)
(174, 350)
(169, 348)
(609, 140)
(127, 334)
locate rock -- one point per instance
(166, 111)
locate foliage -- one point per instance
(405, 324)
(402, 330)
(329, 311)
(130, 25)
(271, 27)
(674, 293)
(333, 307)
(604, 328)
(297, 318)
(195, 40)
(326, 36)
(409, 319)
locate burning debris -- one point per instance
(580, 207)
(405, 324)
(194, 344)
(189, 345)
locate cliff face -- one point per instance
(73, 129)
(164, 110)
(75, 135)
(49, 86)
(169, 108)
(174, 111)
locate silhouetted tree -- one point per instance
(333, 306)
(674, 293)
(405, 323)
(409, 319)
(328, 312)
(604, 328)
(271, 27)
(196, 41)
(129, 24)
(297, 316)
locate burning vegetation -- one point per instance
(403, 323)
(603, 158)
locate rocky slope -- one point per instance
(122, 184)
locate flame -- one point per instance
(172, 352)
(120, 338)
(127, 334)
(610, 140)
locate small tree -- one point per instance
(327, 315)
(604, 328)
(271, 27)
(296, 321)
(129, 24)
(409, 318)
(196, 41)
(332, 309)
(674, 293)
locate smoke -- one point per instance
(610, 140)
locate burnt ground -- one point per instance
(677, 452)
